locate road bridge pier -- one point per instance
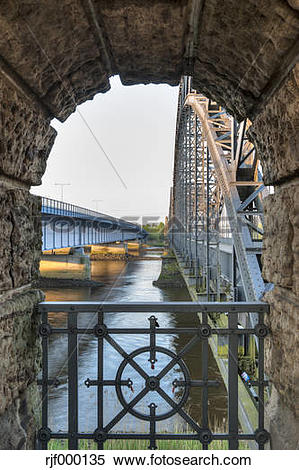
(75, 256)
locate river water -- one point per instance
(127, 281)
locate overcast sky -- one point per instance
(136, 127)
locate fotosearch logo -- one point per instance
(224, 227)
(68, 224)
(154, 460)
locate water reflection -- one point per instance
(130, 281)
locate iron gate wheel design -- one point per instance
(199, 336)
(152, 383)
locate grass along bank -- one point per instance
(132, 444)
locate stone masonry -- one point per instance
(276, 132)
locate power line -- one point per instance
(75, 104)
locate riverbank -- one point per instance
(61, 283)
(170, 275)
(117, 252)
(111, 257)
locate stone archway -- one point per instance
(55, 55)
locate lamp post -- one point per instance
(61, 188)
(96, 201)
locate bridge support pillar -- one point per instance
(84, 260)
(77, 256)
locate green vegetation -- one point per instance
(170, 275)
(132, 444)
(155, 234)
(143, 444)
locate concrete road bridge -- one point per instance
(67, 225)
(242, 58)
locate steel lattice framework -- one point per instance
(217, 193)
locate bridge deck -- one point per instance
(66, 225)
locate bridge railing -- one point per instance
(145, 362)
(65, 209)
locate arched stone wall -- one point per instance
(55, 55)
(276, 134)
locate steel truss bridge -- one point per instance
(66, 225)
(216, 211)
(215, 231)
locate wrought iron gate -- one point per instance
(199, 337)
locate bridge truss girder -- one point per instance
(216, 174)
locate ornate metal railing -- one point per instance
(203, 330)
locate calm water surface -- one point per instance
(130, 281)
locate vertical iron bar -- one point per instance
(233, 422)
(72, 381)
(152, 408)
(45, 375)
(152, 358)
(205, 375)
(261, 378)
(100, 379)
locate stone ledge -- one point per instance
(19, 303)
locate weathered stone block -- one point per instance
(282, 423)
(62, 80)
(19, 345)
(282, 346)
(275, 132)
(26, 138)
(5, 242)
(151, 23)
(19, 422)
(281, 239)
(66, 51)
(253, 38)
(20, 238)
